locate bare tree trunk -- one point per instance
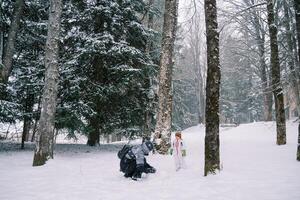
(36, 120)
(26, 128)
(298, 149)
(150, 25)
(259, 31)
(163, 123)
(27, 119)
(196, 49)
(297, 14)
(11, 40)
(260, 39)
(45, 137)
(294, 75)
(212, 142)
(1, 35)
(275, 68)
(94, 135)
(34, 130)
(296, 58)
(149, 47)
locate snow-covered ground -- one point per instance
(254, 168)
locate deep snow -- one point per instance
(254, 168)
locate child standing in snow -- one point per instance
(178, 151)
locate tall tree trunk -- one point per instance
(11, 40)
(1, 35)
(297, 28)
(297, 14)
(29, 103)
(36, 118)
(275, 68)
(26, 128)
(296, 58)
(45, 132)
(150, 26)
(298, 149)
(260, 39)
(94, 135)
(163, 123)
(212, 142)
(294, 75)
(149, 47)
(195, 44)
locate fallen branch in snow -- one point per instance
(228, 125)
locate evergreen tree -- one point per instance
(28, 69)
(107, 69)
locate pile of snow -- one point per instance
(254, 167)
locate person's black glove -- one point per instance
(136, 176)
(150, 170)
(138, 172)
(140, 168)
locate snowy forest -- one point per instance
(80, 80)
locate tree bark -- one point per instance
(36, 118)
(11, 40)
(298, 149)
(212, 143)
(164, 114)
(294, 75)
(26, 128)
(94, 135)
(275, 68)
(1, 35)
(29, 103)
(149, 47)
(150, 26)
(45, 132)
(297, 14)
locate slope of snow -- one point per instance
(254, 167)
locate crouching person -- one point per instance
(134, 163)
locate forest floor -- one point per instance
(253, 168)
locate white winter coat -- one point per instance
(177, 149)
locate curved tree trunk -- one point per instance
(275, 68)
(164, 114)
(45, 137)
(212, 143)
(11, 40)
